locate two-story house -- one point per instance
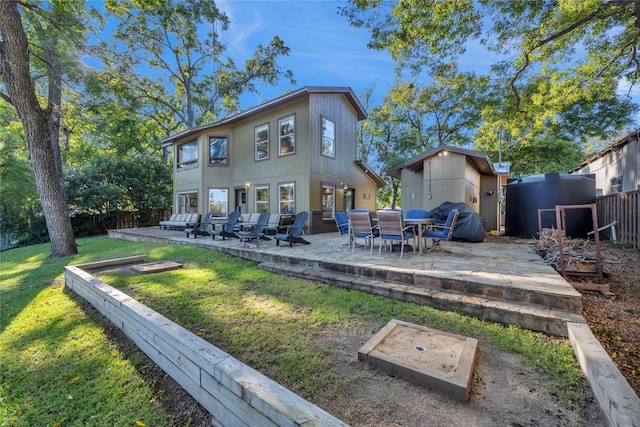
(297, 152)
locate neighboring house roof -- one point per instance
(616, 146)
(502, 168)
(371, 173)
(299, 93)
(480, 160)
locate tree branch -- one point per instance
(578, 23)
(512, 83)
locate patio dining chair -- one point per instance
(201, 228)
(362, 226)
(342, 222)
(442, 231)
(416, 214)
(293, 233)
(228, 228)
(392, 229)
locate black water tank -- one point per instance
(525, 196)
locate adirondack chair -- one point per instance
(227, 230)
(392, 228)
(293, 233)
(261, 225)
(442, 231)
(201, 228)
(362, 226)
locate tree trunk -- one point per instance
(38, 124)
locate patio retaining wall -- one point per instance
(232, 392)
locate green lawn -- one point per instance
(59, 367)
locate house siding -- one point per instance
(622, 161)
(307, 168)
(472, 187)
(448, 179)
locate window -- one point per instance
(328, 138)
(262, 142)
(187, 202)
(616, 184)
(187, 155)
(218, 151)
(219, 202)
(328, 204)
(286, 202)
(287, 135)
(262, 198)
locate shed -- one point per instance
(454, 174)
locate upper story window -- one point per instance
(287, 199)
(262, 198)
(262, 142)
(287, 135)
(187, 155)
(328, 138)
(218, 150)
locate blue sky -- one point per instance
(325, 49)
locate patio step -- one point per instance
(530, 316)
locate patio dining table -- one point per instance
(423, 224)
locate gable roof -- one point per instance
(480, 160)
(370, 173)
(616, 146)
(283, 99)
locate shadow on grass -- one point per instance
(180, 405)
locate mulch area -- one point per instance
(615, 319)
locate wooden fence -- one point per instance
(624, 208)
(99, 223)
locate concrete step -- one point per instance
(530, 316)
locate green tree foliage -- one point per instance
(556, 66)
(160, 58)
(109, 182)
(18, 193)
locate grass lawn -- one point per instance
(59, 367)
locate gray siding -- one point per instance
(624, 163)
(307, 167)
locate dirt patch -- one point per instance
(504, 392)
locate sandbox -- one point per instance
(424, 356)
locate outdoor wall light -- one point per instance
(490, 193)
